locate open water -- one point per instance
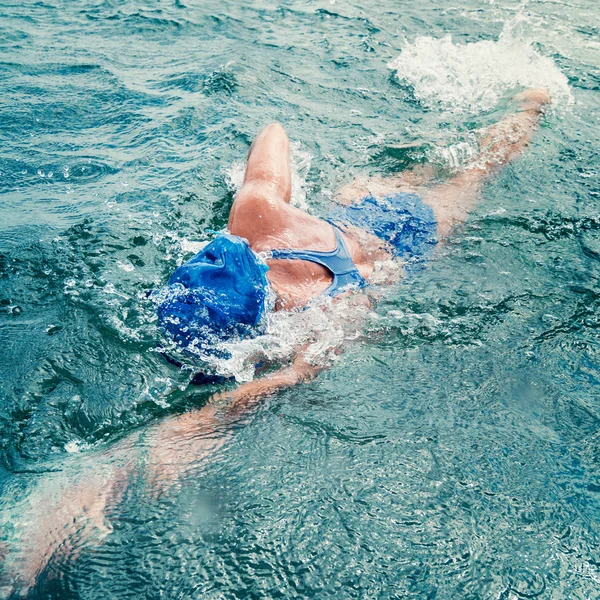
(451, 452)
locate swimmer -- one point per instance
(274, 257)
(279, 257)
(223, 290)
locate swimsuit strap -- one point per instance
(337, 261)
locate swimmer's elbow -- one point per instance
(275, 128)
(253, 201)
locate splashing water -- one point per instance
(473, 78)
(454, 157)
(321, 328)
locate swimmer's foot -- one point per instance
(504, 141)
(533, 100)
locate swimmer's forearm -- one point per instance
(238, 400)
(506, 140)
(190, 439)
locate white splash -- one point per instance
(472, 78)
(235, 176)
(192, 246)
(301, 161)
(76, 446)
(455, 156)
(320, 330)
(125, 266)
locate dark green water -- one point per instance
(454, 452)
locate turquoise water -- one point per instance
(451, 452)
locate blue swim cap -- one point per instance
(217, 295)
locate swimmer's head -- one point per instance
(220, 294)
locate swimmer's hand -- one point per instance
(65, 526)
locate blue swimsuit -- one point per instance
(337, 261)
(402, 220)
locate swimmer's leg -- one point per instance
(453, 200)
(500, 144)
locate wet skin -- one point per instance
(262, 213)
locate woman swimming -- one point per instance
(279, 257)
(275, 257)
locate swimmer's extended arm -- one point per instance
(188, 440)
(500, 144)
(174, 446)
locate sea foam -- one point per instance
(474, 77)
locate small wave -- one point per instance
(220, 81)
(474, 77)
(18, 174)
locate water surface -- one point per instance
(454, 453)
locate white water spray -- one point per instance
(473, 78)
